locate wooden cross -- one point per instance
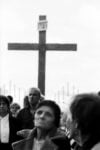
(42, 47)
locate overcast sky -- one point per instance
(69, 21)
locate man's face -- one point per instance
(34, 96)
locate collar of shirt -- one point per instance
(4, 129)
(5, 117)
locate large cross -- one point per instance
(42, 47)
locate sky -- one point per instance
(67, 73)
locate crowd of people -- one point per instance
(40, 124)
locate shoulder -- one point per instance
(15, 124)
(20, 145)
(62, 142)
(13, 119)
(23, 112)
(96, 147)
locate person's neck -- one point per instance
(33, 107)
(41, 134)
(3, 114)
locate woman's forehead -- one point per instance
(45, 108)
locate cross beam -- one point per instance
(42, 47)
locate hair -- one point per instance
(54, 107)
(85, 110)
(5, 99)
(15, 105)
(26, 102)
(10, 98)
(37, 90)
(98, 93)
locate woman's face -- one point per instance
(14, 109)
(44, 118)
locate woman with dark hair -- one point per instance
(45, 135)
(10, 98)
(85, 111)
(26, 102)
(8, 125)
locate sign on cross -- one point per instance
(42, 47)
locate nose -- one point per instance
(1, 105)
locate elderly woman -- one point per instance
(45, 135)
(8, 125)
(85, 111)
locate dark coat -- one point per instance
(56, 141)
(14, 126)
(26, 118)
